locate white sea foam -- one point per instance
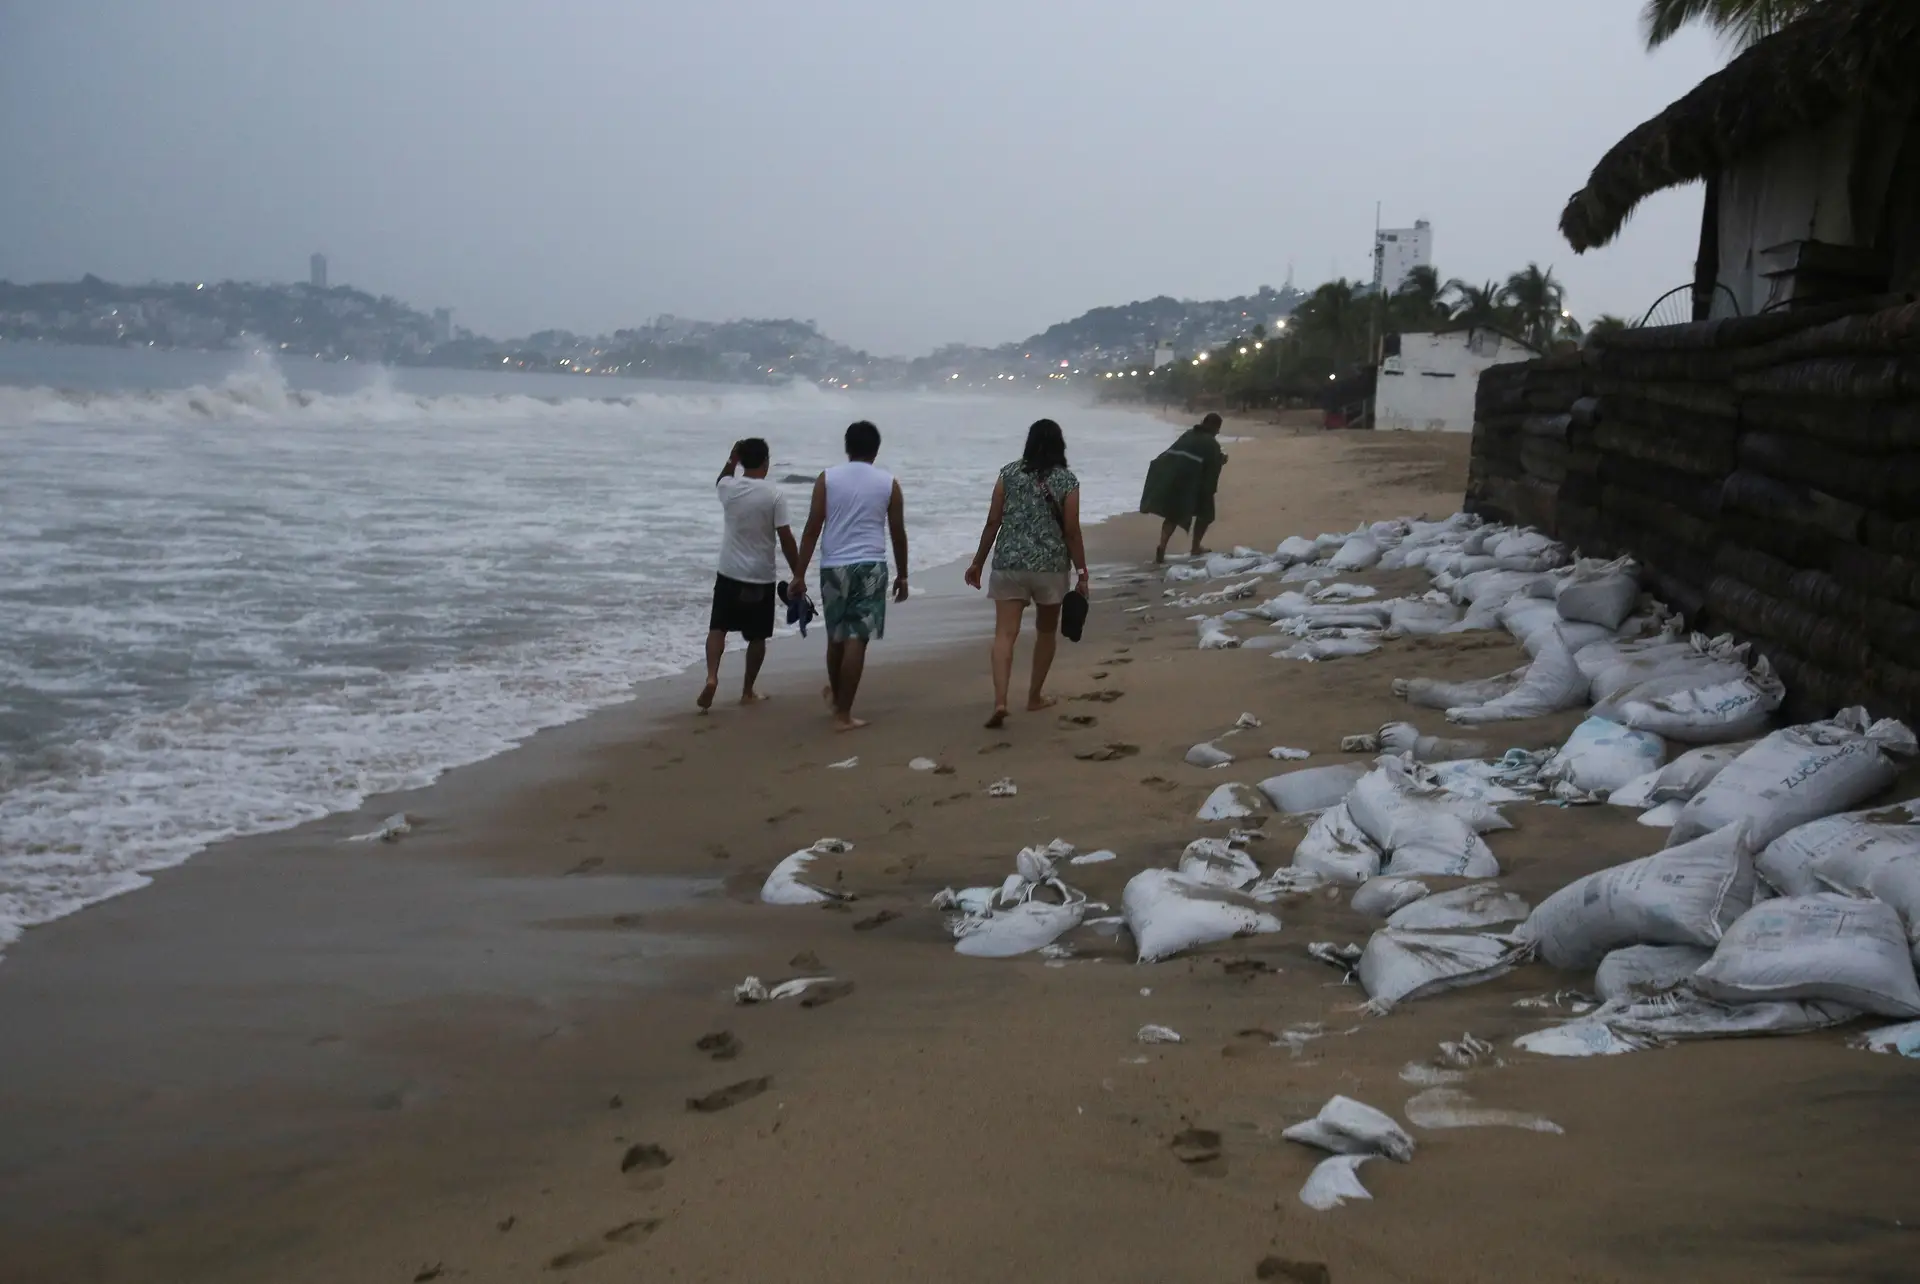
(238, 606)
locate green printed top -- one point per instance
(1030, 535)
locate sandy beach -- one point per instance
(473, 1054)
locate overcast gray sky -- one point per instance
(905, 173)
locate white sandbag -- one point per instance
(1359, 553)
(1596, 658)
(1849, 845)
(1640, 970)
(1183, 572)
(1006, 933)
(1337, 849)
(1397, 967)
(1284, 607)
(1217, 863)
(1314, 789)
(1551, 683)
(1687, 895)
(1383, 897)
(1231, 802)
(1525, 615)
(1694, 770)
(1902, 1040)
(1328, 543)
(1472, 906)
(1574, 635)
(1824, 947)
(1215, 637)
(1710, 659)
(1418, 836)
(1397, 782)
(1601, 756)
(1703, 712)
(1167, 914)
(1334, 1181)
(1800, 774)
(1597, 592)
(1664, 816)
(1405, 738)
(1529, 551)
(1208, 755)
(1431, 693)
(1347, 615)
(1627, 1025)
(1348, 1127)
(1420, 616)
(1219, 565)
(1887, 870)
(1493, 588)
(1468, 779)
(1329, 648)
(1296, 548)
(787, 884)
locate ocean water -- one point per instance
(237, 595)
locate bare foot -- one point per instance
(847, 722)
(1200, 552)
(1037, 703)
(706, 696)
(999, 718)
(750, 697)
(1160, 555)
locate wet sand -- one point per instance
(469, 1055)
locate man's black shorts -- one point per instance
(746, 609)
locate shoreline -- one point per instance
(432, 1059)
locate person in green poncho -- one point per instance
(1181, 483)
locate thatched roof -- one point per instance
(1847, 52)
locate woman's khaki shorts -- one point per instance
(1042, 588)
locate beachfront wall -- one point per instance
(1765, 471)
(1431, 383)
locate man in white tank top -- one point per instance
(857, 511)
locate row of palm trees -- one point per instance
(1739, 22)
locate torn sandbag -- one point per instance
(1697, 656)
(1628, 1025)
(1661, 817)
(1329, 648)
(1396, 777)
(1473, 906)
(1694, 770)
(1551, 683)
(1337, 849)
(1295, 549)
(1800, 774)
(1358, 553)
(1533, 622)
(786, 884)
(1284, 607)
(1636, 793)
(1824, 947)
(1903, 1039)
(1382, 897)
(1217, 863)
(1398, 967)
(1431, 693)
(1640, 970)
(1420, 616)
(1005, 933)
(1686, 895)
(1343, 592)
(1168, 913)
(1597, 592)
(1600, 757)
(1348, 1127)
(1334, 1181)
(1843, 852)
(1405, 738)
(754, 990)
(1284, 753)
(1529, 550)
(1438, 1108)
(1208, 755)
(1419, 833)
(1215, 637)
(1313, 789)
(1231, 802)
(1219, 566)
(1157, 1034)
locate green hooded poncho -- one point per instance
(1182, 480)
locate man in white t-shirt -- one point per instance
(743, 590)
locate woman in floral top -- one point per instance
(1033, 532)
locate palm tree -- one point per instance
(1416, 304)
(1740, 22)
(1538, 302)
(1477, 304)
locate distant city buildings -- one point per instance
(1397, 251)
(317, 271)
(443, 325)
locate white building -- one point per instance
(1429, 385)
(1162, 354)
(1397, 251)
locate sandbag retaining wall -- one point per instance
(1764, 470)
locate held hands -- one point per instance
(972, 577)
(900, 589)
(1083, 581)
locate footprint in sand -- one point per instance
(1119, 660)
(590, 812)
(1195, 1145)
(1291, 1272)
(644, 1158)
(872, 921)
(788, 814)
(586, 866)
(1160, 783)
(1098, 674)
(996, 748)
(1099, 697)
(730, 1096)
(1108, 753)
(1079, 720)
(818, 996)
(426, 1273)
(721, 1045)
(807, 961)
(594, 1249)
